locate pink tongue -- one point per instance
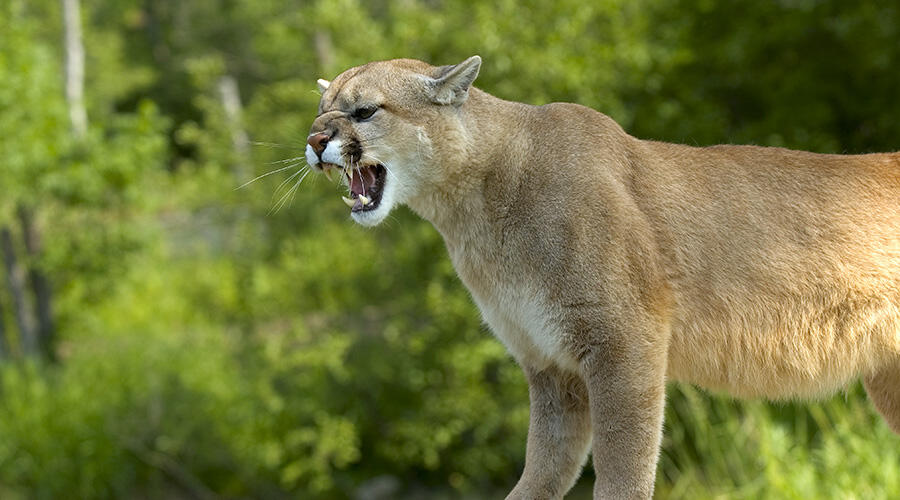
(357, 181)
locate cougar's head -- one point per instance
(389, 129)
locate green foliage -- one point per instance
(34, 125)
(717, 448)
(211, 345)
(804, 74)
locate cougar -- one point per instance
(608, 265)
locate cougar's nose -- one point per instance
(318, 142)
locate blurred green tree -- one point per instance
(213, 345)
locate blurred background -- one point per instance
(166, 335)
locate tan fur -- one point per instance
(609, 265)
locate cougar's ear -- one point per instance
(452, 86)
(323, 85)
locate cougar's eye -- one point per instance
(364, 113)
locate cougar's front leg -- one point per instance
(625, 373)
(559, 434)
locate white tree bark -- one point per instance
(324, 50)
(231, 102)
(74, 67)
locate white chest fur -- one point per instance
(526, 323)
(514, 304)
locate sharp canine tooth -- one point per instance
(327, 173)
(364, 199)
(348, 201)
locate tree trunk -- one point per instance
(231, 102)
(4, 346)
(324, 50)
(40, 285)
(15, 278)
(74, 67)
(242, 224)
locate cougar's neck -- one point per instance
(495, 139)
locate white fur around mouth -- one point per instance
(370, 195)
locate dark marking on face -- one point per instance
(353, 149)
(346, 79)
(354, 96)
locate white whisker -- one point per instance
(287, 160)
(273, 145)
(297, 185)
(383, 164)
(283, 200)
(295, 174)
(264, 175)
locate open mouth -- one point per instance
(366, 185)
